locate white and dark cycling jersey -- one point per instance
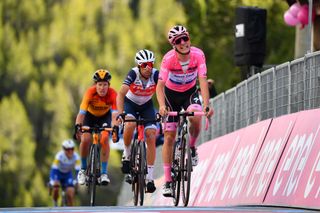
(141, 91)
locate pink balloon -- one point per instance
(290, 19)
(294, 9)
(303, 15)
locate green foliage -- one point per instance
(16, 153)
(50, 49)
(214, 33)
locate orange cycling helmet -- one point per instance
(101, 75)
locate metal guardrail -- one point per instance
(287, 88)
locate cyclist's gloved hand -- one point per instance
(121, 116)
(77, 128)
(115, 134)
(163, 111)
(208, 111)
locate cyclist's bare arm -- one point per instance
(80, 118)
(120, 97)
(205, 95)
(161, 97)
(79, 121)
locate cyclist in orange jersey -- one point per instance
(97, 108)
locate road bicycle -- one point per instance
(93, 170)
(181, 164)
(138, 159)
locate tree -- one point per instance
(16, 153)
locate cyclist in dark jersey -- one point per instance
(135, 96)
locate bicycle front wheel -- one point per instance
(93, 176)
(142, 165)
(134, 176)
(176, 175)
(186, 168)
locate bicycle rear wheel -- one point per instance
(133, 165)
(176, 176)
(93, 172)
(141, 169)
(186, 167)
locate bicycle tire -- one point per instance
(93, 173)
(176, 176)
(186, 167)
(142, 170)
(135, 186)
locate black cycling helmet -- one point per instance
(101, 75)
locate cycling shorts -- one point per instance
(146, 111)
(91, 120)
(180, 100)
(65, 179)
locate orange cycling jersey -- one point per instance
(96, 104)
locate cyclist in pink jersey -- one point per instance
(180, 69)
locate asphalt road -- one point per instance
(150, 209)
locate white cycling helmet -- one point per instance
(144, 56)
(68, 144)
(175, 32)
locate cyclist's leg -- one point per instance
(131, 109)
(55, 191)
(195, 124)
(167, 150)
(67, 182)
(151, 155)
(84, 150)
(105, 147)
(147, 112)
(174, 103)
(84, 147)
(193, 104)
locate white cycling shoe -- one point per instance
(82, 177)
(194, 156)
(104, 179)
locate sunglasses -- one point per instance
(179, 40)
(70, 149)
(146, 64)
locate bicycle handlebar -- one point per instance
(141, 120)
(95, 129)
(187, 113)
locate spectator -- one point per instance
(212, 88)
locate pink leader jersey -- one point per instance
(175, 78)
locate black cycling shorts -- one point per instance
(91, 120)
(180, 100)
